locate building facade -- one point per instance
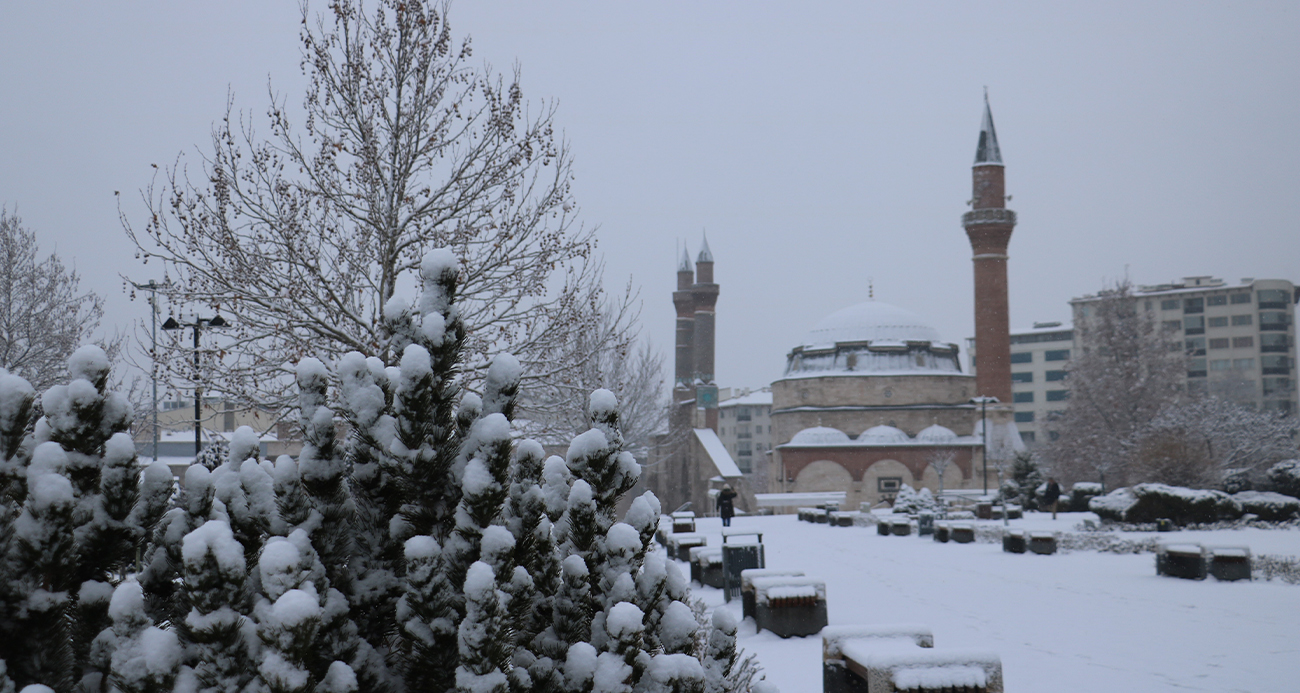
(745, 426)
(1039, 391)
(1239, 338)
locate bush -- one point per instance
(1285, 477)
(1271, 507)
(1080, 495)
(1151, 502)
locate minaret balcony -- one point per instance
(993, 215)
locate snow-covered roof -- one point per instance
(751, 399)
(883, 435)
(717, 452)
(705, 255)
(877, 436)
(685, 264)
(1061, 326)
(820, 435)
(872, 321)
(936, 434)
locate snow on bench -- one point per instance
(766, 588)
(910, 668)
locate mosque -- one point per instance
(871, 399)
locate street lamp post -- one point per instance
(152, 287)
(984, 401)
(197, 325)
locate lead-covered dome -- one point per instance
(936, 434)
(820, 435)
(872, 321)
(883, 435)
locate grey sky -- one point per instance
(819, 144)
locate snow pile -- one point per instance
(939, 678)
(834, 637)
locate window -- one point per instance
(1027, 436)
(1169, 304)
(1022, 357)
(1022, 397)
(1275, 365)
(1220, 364)
(1219, 322)
(1217, 300)
(1173, 325)
(1243, 364)
(1022, 377)
(1220, 343)
(1058, 355)
(1243, 342)
(1238, 320)
(1150, 304)
(889, 484)
(1273, 322)
(1195, 346)
(1277, 386)
(1053, 435)
(1274, 343)
(1240, 298)
(1196, 368)
(1053, 376)
(1024, 417)
(1282, 405)
(1036, 337)
(1193, 305)
(1274, 298)
(1194, 324)
(1058, 395)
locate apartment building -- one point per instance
(1038, 378)
(745, 425)
(1239, 339)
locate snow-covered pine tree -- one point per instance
(324, 473)
(673, 673)
(213, 630)
(246, 490)
(484, 488)
(16, 411)
(482, 635)
(426, 615)
(144, 659)
(720, 654)
(43, 575)
(164, 560)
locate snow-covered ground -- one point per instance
(1082, 621)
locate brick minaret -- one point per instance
(989, 225)
(684, 301)
(705, 293)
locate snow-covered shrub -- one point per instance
(1081, 494)
(910, 501)
(1284, 477)
(1269, 506)
(1151, 502)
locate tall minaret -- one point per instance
(684, 301)
(705, 292)
(989, 225)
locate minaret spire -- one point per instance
(987, 151)
(706, 255)
(685, 264)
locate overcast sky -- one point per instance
(822, 145)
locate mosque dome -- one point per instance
(872, 321)
(820, 435)
(883, 435)
(936, 434)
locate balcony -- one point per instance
(998, 215)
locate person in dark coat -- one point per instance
(1052, 495)
(726, 504)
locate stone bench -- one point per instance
(1013, 541)
(747, 578)
(842, 518)
(683, 522)
(1185, 561)
(790, 605)
(882, 527)
(1229, 562)
(836, 675)
(942, 532)
(962, 532)
(898, 665)
(900, 527)
(1043, 543)
(706, 566)
(679, 545)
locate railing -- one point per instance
(996, 215)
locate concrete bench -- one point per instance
(678, 546)
(882, 527)
(1229, 562)
(683, 522)
(941, 532)
(790, 606)
(898, 665)
(706, 566)
(962, 532)
(1043, 543)
(842, 518)
(747, 578)
(836, 676)
(1013, 541)
(1185, 561)
(900, 527)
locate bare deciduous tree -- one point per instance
(1127, 371)
(44, 314)
(301, 238)
(1202, 442)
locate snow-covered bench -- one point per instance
(706, 565)
(790, 605)
(678, 545)
(1185, 561)
(962, 532)
(1013, 541)
(942, 532)
(747, 578)
(1229, 562)
(683, 522)
(843, 518)
(900, 526)
(1042, 542)
(899, 665)
(836, 675)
